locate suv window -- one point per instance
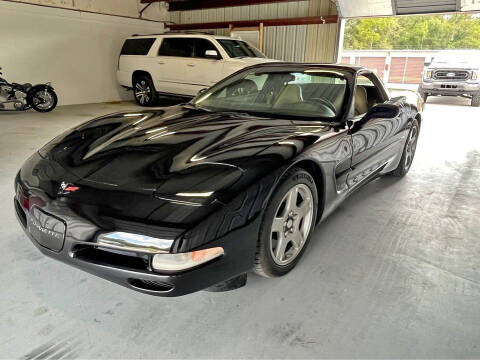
(180, 47)
(237, 48)
(186, 47)
(137, 46)
(201, 46)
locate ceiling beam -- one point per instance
(329, 19)
(182, 5)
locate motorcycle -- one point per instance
(15, 96)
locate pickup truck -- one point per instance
(452, 74)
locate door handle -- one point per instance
(191, 65)
(161, 63)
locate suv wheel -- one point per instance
(144, 91)
(476, 100)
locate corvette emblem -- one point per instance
(66, 188)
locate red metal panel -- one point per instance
(376, 64)
(414, 71)
(397, 70)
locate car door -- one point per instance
(206, 69)
(173, 73)
(376, 140)
(184, 66)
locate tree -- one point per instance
(459, 31)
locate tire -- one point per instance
(43, 100)
(301, 220)
(408, 151)
(424, 97)
(476, 100)
(144, 91)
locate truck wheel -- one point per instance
(424, 97)
(144, 91)
(476, 100)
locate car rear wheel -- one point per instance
(287, 224)
(408, 151)
(144, 91)
(476, 100)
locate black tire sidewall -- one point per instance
(291, 178)
(401, 170)
(153, 92)
(34, 107)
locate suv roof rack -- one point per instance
(177, 32)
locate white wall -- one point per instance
(76, 51)
(156, 11)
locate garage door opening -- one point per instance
(436, 54)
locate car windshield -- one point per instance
(237, 48)
(314, 93)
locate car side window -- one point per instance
(366, 95)
(201, 46)
(179, 47)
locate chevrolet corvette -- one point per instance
(171, 200)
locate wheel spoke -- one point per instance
(277, 225)
(291, 201)
(281, 246)
(297, 239)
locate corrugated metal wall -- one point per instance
(302, 43)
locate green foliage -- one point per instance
(460, 31)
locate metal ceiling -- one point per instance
(362, 8)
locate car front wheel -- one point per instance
(287, 224)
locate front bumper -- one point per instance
(127, 268)
(450, 88)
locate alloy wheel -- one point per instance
(411, 147)
(291, 224)
(143, 92)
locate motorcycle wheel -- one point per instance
(43, 100)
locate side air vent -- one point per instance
(150, 285)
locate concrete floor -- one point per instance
(394, 272)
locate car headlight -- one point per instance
(185, 261)
(474, 75)
(428, 74)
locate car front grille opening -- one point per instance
(20, 213)
(150, 285)
(110, 258)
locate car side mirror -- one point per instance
(385, 110)
(212, 54)
(427, 63)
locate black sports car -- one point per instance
(173, 200)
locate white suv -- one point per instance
(180, 64)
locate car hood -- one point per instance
(172, 149)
